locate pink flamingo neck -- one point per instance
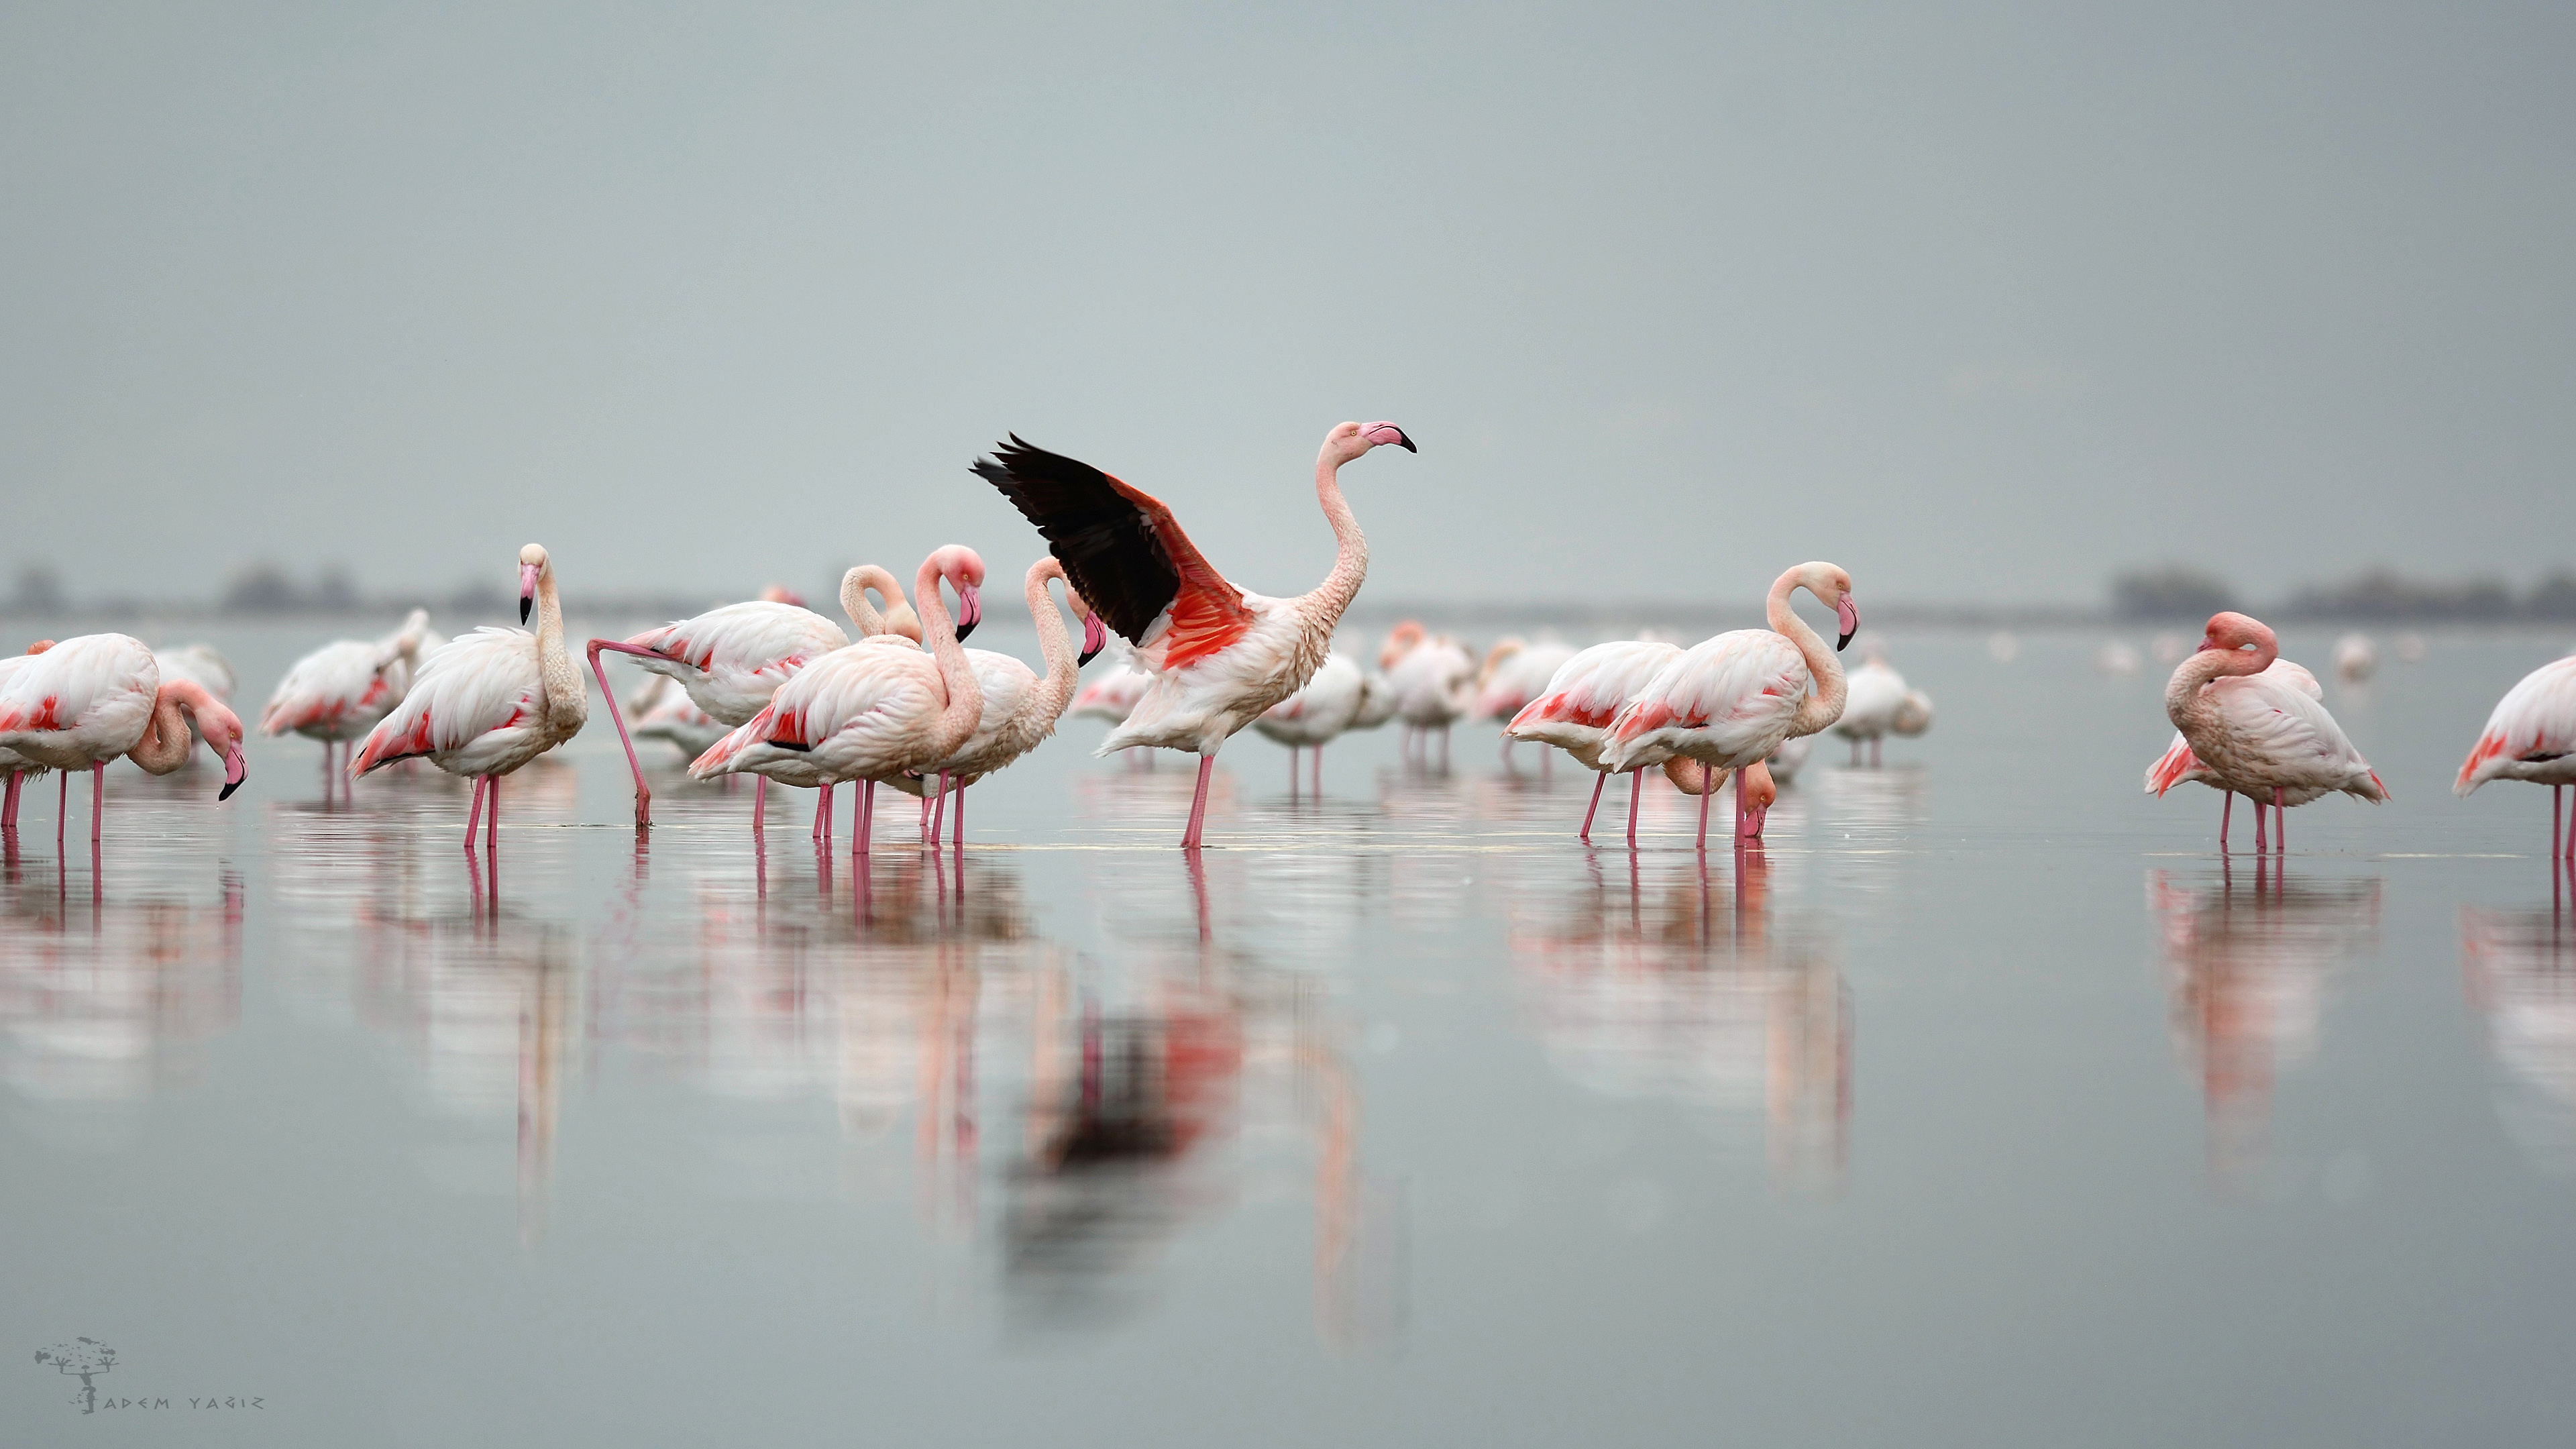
(854, 597)
(1055, 691)
(2187, 701)
(1825, 705)
(165, 743)
(1324, 605)
(965, 704)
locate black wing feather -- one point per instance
(1105, 541)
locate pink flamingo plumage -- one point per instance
(337, 693)
(99, 697)
(18, 766)
(2531, 736)
(2179, 766)
(488, 702)
(1574, 710)
(1219, 655)
(2259, 733)
(1728, 702)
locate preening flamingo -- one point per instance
(19, 768)
(1573, 713)
(2179, 766)
(2531, 736)
(1399, 641)
(872, 710)
(89, 700)
(338, 692)
(732, 659)
(1020, 705)
(1729, 701)
(1316, 714)
(1435, 685)
(1219, 655)
(2257, 733)
(1872, 698)
(488, 702)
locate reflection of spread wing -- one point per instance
(2535, 722)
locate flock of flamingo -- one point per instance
(775, 690)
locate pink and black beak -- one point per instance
(1095, 637)
(970, 611)
(527, 590)
(1380, 434)
(236, 770)
(1847, 615)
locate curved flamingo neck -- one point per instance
(854, 597)
(1324, 605)
(1055, 691)
(564, 696)
(965, 697)
(1825, 705)
(164, 746)
(2187, 701)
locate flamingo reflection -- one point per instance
(117, 999)
(2519, 969)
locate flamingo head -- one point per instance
(963, 568)
(40, 646)
(1400, 641)
(217, 725)
(1832, 586)
(1095, 635)
(533, 566)
(1349, 440)
(1760, 794)
(2238, 632)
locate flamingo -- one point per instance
(1020, 705)
(1729, 701)
(664, 711)
(2531, 736)
(1377, 702)
(91, 699)
(1574, 712)
(1873, 697)
(1914, 716)
(2178, 765)
(488, 702)
(1786, 761)
(338, 692)
(1219, 655)
(2356, 658)
(200, 664)
(18, 766)
(1435, 685)
(2257, 733)
(1516, 673)
(1317, 714)
(732, 659)
(872, 710)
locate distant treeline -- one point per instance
(2379, 594)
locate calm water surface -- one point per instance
(1982, 1104)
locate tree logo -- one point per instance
(86, 1357)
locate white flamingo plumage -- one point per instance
(19, 768)
(1873, 697)
(337, 693)
(1515, 673)
(1021, 706)
(872, 710)
(2260, 734)
(2179, 766)
(1317, 714)
(1728, 702)
(487, 703)
(1574, 711)
(95, 698)
(1219, 655)
(1435, 686)
(2531, 736)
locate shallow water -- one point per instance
(1982, 1103)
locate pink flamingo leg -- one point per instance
(2224, 810)
(62, 808)
(866, 824)
(97, 801)
(1706, 789)
(823, 815)
(643, 793)
(2280, 823)
(1599, 779)
(759, 803)
(9, 811)
(474, 816)
(1198, 804)
(939, 809)
(1636, 789)
(492, 828)
(925, 809)
(960, 834)
(2557, 799)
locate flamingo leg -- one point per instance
(1190, 834)
(62, 807)
(2262, 827)
(2557, 798)
(1636, 789)
(1599, 779)
(643, 793)
(959, 835)
(1319, 772)
(759, 803)
(866, 824)
(1855, 759)
(823, 814)
(2280, 823)
(1708, 787)
(9, 811)
(492, 829)
(2227, 808)
(939, 808)
(97, 800)
(474, 816)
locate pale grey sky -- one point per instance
(1980, 301)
